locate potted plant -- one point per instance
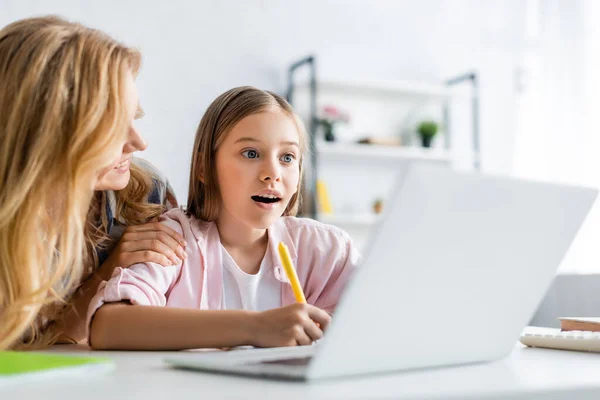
(427, 130)
(378, 205)
(330, 117)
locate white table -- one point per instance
(525, 374)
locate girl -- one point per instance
(67, 105)
(231, 290)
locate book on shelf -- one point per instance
(381, 141)
(324, 203)
(591, 324)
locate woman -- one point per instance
(67, 105)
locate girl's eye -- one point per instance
(250, 154)
(288, 158)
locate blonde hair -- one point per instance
(204, 198)
(132, 206)
(62, 118)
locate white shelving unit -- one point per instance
(350, 172)
(356, 174)
(348, 151)
(390, 88)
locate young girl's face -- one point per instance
(258, 168)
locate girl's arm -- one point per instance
(151, 242)
(120, 326)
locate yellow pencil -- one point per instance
(284, 255)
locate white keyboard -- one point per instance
(552, 338)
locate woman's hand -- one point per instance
(151, 242)
(293, 325)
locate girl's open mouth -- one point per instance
(266, 199)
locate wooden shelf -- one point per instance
(328, 150)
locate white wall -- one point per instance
(193, 50)
(557, 135)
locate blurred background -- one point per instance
(507, 87)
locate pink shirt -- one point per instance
(323, 255)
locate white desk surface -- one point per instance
(525, 374)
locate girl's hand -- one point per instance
(293, 325)
(151, 242)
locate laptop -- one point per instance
(452, 273)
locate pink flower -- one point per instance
(334, 114)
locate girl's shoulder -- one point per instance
(184, 223)
(309, 227)
(315, 243)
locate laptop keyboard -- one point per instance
(553, 338)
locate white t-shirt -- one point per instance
(249, 292)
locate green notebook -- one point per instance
(19, 365)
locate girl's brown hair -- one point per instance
(204, 198)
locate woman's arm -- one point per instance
(151, 242)
(71, 322)
(120, 326)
